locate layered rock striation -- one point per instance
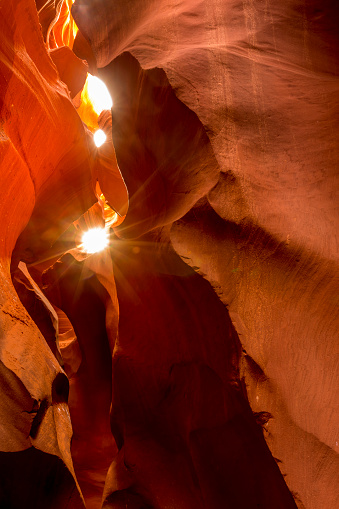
(196, 358)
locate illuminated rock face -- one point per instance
(43, 152)
(224, 126)
(266, 233)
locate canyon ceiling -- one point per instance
(194, 363)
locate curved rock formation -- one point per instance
(43, 154)
(266, 233)
(76, 289)
(204, 370)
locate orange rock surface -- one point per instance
(43, 153)
(193, 363)
(262, 79)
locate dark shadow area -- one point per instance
(177, 397)
(32, 479)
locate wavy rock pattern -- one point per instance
(266, 234)
(45, 184)
(217, 301)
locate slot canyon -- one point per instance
(193, 361)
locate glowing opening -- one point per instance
(95, 240)
(98, 94)
(99, 137)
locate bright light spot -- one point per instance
(99, 137)
(98, 94)
(95, 240)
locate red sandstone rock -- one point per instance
(263, 80)
(71, 69)
(167, 161)
(253, 79)
(75, 288)
(226, 135)
(48, 12)
(38, 307)
(186, 434)
(38, 116)
(43, 144)
(106, 169)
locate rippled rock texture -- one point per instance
(197, 358)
